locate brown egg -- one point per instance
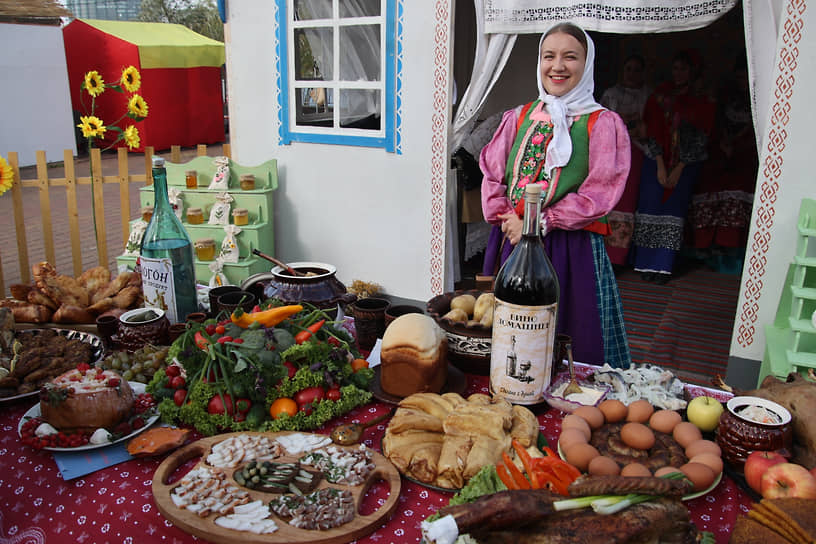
(591, 414)
(603, 466)
(700, 475)
(685, 433)
(576, 422)
(635, 469)
(703, 446)
(714, 462)
(613, 410)
(637, 435)
(640, 411)
(580, 455)
(665, 420)
(665, 470)
(570, 437)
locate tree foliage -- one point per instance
(198, 15)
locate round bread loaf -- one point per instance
(87, 401)
(413, 356)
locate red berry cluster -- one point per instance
(144, 403)
(58, 440)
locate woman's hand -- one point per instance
(662, 177)
(674, 176)
(511, 226)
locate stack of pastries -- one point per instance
(444, 440)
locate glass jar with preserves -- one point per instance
(191, 179)
(240, 216)
(147, 213)
(195, 216)
(205, 249)
(247, 182)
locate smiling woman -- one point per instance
(579, 153)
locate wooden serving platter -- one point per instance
(206, 528)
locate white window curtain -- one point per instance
(359, 55)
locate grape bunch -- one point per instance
(138, 366)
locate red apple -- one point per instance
(757, 463)
(788, 480)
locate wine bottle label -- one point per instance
(157, 285)
(521, 351)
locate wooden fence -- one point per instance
(123, 178)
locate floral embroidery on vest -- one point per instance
(532, 161)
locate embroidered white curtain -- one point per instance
(620, 16)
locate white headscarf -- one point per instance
(577, 101)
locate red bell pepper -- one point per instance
(518, 476)
(504, 476)
(304, 335)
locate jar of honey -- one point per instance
(191, 178)
(195, 216)
(247, 182)
(205, 249)
(147, 213)
(240, 216)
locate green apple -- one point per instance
(704, 412)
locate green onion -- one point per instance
(609, 504)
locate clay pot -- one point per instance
(395, 311)
(216, 292)
(321, 288)
(229, 302)
(738, 436)
(369, 320)
(142, 326)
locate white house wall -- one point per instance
(37, 105)
(785, 178)
(376, 216)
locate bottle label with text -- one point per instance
(521, 351)
(157, 285)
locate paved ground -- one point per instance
(59, 215)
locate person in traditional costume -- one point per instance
(578, 152)
(627, 98)
(679, 119)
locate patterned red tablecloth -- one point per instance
(115, 505)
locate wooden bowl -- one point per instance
(738, 436)
(469, 345)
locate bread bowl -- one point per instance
(86, 399)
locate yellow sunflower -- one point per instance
(6, 176)
(137, 107)
(131, 137)
(92, 127)
(131, 79)
(94, 83)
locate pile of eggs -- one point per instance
(704, 456)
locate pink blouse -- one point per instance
(609, 159)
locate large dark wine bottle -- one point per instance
(526, 290)
(166, 260)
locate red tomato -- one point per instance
(219, 329)
(224, 339)
(172, 370)
(291, 369)
(333, 394)
(309, 395)
(239, 340)
(177, 382)
(178, 397)
(210, 329)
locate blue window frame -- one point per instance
(339, 69)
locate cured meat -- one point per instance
(502, 510)
(586, 486)
(661, 520)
